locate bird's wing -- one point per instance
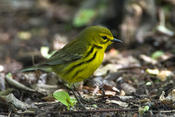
(71, 52)
(62, 58)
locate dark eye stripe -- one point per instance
(97, 46)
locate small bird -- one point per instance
(79, 59)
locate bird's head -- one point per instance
(99, 35)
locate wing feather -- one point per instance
(73, 51)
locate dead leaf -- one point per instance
(128, 88)
(148, 59)
(169, 100)
(110, 93)
(120, 103)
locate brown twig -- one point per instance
(100, 110)
(165, 111)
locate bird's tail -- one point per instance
(34, 68)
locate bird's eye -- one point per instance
(104, 37)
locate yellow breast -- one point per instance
(83, 68)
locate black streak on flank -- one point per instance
(73, 67)
(91, 58)
(91, 50)
(76, 73)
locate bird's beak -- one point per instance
(117, 40)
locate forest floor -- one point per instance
(134, 80)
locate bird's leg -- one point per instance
(77, 92)
(79, 101)
(80, 97)
(103, 92)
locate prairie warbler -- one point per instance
(78, 60)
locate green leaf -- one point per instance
(45, 52)
(73, 101)
(143, 110)
(146, 108)
(9, 75)
(157, 54)
(94, 105)
(24, 35)
(65, 99)
(83, 17)
(148, 83)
